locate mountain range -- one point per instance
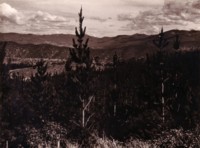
(56, 46)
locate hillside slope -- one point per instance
(56, 46)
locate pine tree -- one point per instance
(161, 42)
(80, 53)
(41, 74)
(78, 67)
(39, 91)
(2, 56)
(115, 93)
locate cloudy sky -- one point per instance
(102, 17)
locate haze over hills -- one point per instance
(57, 45)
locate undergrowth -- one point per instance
(53, 134)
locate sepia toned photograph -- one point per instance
(100, 74)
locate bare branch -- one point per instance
(75, 122)
(89, 119)
(90, 99)
(80, 98)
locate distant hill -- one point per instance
(57, 45)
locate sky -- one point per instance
(102, 17)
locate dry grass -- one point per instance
(53, 132)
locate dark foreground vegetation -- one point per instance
(155, 99)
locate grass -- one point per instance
(53, 132)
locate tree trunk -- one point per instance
(163, 103)
(83, 114)
(115, 109)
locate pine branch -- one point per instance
(77, 33)
(86, 43)
(74, 43)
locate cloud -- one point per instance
(187, 10)
(39, 22)
(174, 14)
(143, 4)
(125, 17)
(44, 16)
(196, 4)
(99, 19)
(9, 14)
